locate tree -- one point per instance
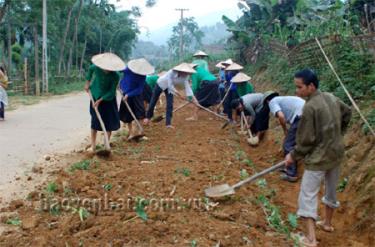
(192, 36)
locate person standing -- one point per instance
(288, 110)
(132, 85)
(320, 144)
(166, 84)
(3, 93)
(102, 81)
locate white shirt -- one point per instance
(170, 79)
(290, 106)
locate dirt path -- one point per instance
(55, 126)
(170, 170)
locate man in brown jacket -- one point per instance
(320, 143)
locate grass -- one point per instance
(15, 222)
(184, 171)
(51, 187)
(81, 165)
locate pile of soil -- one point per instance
(172, 164)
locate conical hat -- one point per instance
(240, 77)
(162, 73)
(200, 53)
(234, 66)
(227, 62)
(193, 65)
(108, 61)
(184, 67)
(220, 65)
(141, 66)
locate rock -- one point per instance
(29, 178)
(47, 157)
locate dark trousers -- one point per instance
(289, 144)
(227, 103)
(2, 110)
(154, 99)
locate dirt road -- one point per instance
(57, 125)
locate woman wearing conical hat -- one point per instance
(102, 80)
(199, 59)
(132, 86)
(166, 84)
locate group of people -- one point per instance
(313, 122)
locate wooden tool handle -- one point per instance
(106, 138)
(247, 124)
(132, 113)
(258, 175)
(226, 94)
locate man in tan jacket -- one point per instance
(320, 144)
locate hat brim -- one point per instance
(141, 67)
(109, 62)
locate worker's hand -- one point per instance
(87, 86)
(288, 160)
(97, 103)
(126, 97)
(189, 98)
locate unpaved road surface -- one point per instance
(57, 125)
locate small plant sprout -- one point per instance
(141, 203)
(244, 174)
(52, 187)
(15, 222)
(107, 187)
(83, 213)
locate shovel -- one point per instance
(107, 149)
(160, 118)
(226, 189)
(136, 121)
(253, 141)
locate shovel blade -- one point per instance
(219, 190)
(253, 141)
(157, 119)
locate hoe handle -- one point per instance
(258, 175)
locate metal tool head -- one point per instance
(103, 153)
(225, 124)
(253, 141)
(157, 119)
(219, 190)
(136, 137)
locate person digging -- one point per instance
(205, 87)
(132, 86)
(102, 81)
(288, 110)
(258, 115)
(166, 84)
(320, 144)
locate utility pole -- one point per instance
(182, 32)
(44, 50)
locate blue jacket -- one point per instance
(228, 77)
(131, 83)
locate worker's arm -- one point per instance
(89, 75)
(280, 115)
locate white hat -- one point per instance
(184, 67)
(193, 65)
(162, 73)
(141, 66)
(240, 77)
(108, 61)
(227, 62)
(234, 66)
(220, 65)
(200, 54)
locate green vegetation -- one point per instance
(184, 171)
(14, 221)
(82, 165)
(52, 187)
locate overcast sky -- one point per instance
(164, 14)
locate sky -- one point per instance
(158, 20)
